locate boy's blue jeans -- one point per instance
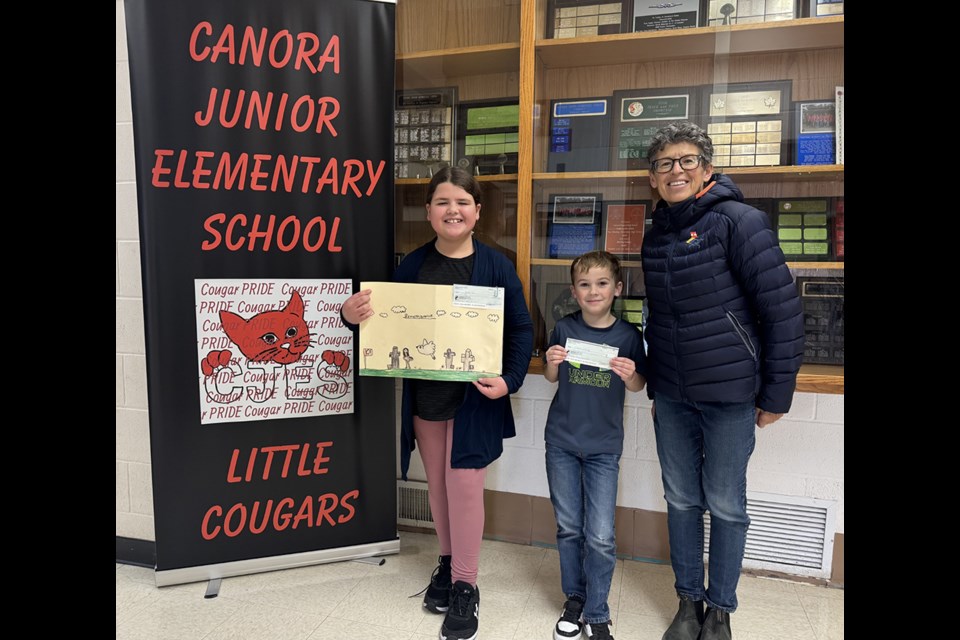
(704, 448)
(583, 490)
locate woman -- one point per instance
(725, 342)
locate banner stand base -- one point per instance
(274, 563)
(213, 588)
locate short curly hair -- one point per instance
(678, 133)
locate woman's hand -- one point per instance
(357, 307)
(765, 417)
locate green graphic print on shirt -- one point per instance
(589, 378)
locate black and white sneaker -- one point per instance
(437, 598)
(462, 620)
(569, 625)
(598, 631)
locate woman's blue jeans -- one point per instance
(583, 490)
(704, 448)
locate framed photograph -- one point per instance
(815, 127)
(573, 224)
(639, 113)
(823, 8)
(658, 16)
(578, 18)
(425, 128)
(624, 222)
(489, 136)
(749, 123)
(727, 12)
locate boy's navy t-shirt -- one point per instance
(586, 415)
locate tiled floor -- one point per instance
(520, 599)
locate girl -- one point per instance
(459, 426)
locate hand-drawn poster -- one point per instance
(432, 332)
(273, 349)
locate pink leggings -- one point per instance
(456, 498)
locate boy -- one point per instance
(584, 439)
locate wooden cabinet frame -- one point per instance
(498, 48)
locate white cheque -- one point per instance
(479, 297)
(591, 353)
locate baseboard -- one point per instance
(837, 579)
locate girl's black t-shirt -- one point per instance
(439, 400)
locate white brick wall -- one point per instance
(134, 485)
(801, 455)
(135, 381)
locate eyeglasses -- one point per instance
(665, 165)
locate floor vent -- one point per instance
(413, 504)
(789, 534)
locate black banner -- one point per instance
(263, 137)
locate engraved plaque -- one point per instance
(748, 123)
(639, 113)
(423, 116)
(581, 18)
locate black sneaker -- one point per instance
(598, 631)
(437, 598)
(462, 620)
(569, 625)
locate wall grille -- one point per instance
(413, 504)
(789, 534)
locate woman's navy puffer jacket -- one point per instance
(725, 322)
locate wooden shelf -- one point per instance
(813, 378)
(536, 366)
(628, 48)
(816, 265)
(565, 262)
(746, 174)
(466, 61)
(503, 177)
(786, 173)
(820, 378)
(594, 175)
